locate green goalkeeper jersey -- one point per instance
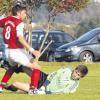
(61, 82)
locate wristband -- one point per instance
(31, 49)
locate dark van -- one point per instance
(58, 37)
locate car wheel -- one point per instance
(86, 56)
(51, 58)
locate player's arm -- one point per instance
(24, 42)
(2, 22)
(71, 88)
(27, 46)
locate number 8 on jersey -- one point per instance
(7, 34)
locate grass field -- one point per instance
(89, 88)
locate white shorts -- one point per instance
(18, 56)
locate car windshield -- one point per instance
(62, 38)
(58, 38)
(89, 35)
(68, 38)
(37, 37)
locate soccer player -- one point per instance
(13, 34)
(64, 80)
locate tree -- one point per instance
(66, 5)
(54, 6)
(5, 6)
(87, 25)
(63, 6)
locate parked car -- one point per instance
(85, 48)
(58, 37)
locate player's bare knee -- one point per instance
(15, 84)
(37, 67)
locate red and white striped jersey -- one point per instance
(10, 24)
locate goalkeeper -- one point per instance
(64, 80)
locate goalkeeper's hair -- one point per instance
(82, 69)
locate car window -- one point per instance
(41, 37)
(58, 38)
(89, 35)
(37, 37)
(68, 38)
(95, 40)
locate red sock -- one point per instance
(7, 75)
(35, 78)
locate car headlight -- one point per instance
(75, 49)
(68, 50)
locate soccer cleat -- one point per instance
(40, 91)
(31, 92)
(1, 89)
(2, 86)
(36, 91)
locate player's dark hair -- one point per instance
(82, 69)
(17, 8)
